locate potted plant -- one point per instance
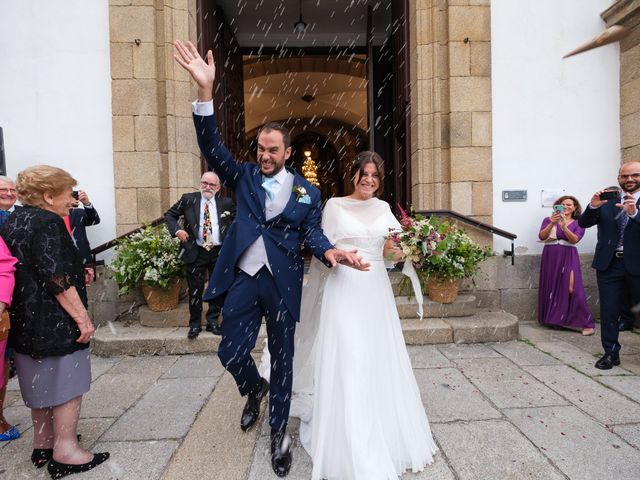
(442, 254)
(149, 259)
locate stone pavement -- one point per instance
(534, 408)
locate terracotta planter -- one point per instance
(161, 299)
(443, 291)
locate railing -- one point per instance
(444, 213)
(477, 224)
(112, 243)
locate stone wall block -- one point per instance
(121, 60)
(122, 228)
(630, 130)
(520, 302)
(471, 164)
(524, 274)
(137, 169)
(481, 131)
(423, 4)
(150, 204)
(134, 97)
(144, 60)
(424, 25)
(425, 61)
(180, 21)
(631, 154)
(128, 23)
(630, 65)
(188, 170)
(461, 197)
(460, 129)
(482, 198)
(480, 58)
(126, 205)
(123, 137)
(146, 128)
(630, 98)
(470, 94)
(473, 23)
(185, 135)
(460, 59)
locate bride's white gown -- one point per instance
(361, 413)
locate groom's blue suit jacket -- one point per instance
(283, 235)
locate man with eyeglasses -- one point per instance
(206, 218)
(617, 256)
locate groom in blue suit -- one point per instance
(260, 267)
(617, 256)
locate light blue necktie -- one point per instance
(267, 184)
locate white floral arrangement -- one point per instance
(150, 256)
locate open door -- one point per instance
(215, 34)
(401, 101)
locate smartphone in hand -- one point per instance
(610, 195)
(558, 209)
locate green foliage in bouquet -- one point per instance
(149, 256)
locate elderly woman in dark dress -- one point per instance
(50, 326)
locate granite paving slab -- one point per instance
(534, 333)
(629, 433)
(195, 366)
(455, 351)
(577, 358)
(112, 394)
(166, 411)
(522, 353)
(506, 384)
(447, 396)
(228, 450)
(100, 365)
(628, 385)
(132, 460)
(631, 363)
(587, 394)
(153, 366)
(576, 444)
(427, 357)
(492, 449)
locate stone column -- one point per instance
(451, 106)
(627, 14)
(155, 154)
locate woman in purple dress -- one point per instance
(561, 298)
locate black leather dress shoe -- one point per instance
(280, 453)
(213, 328)
(607, 362)
(251, 410)
(193, 333)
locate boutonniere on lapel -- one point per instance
(301, 194)
(226, 213)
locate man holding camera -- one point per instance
(76, 221)
(617, 256)
(206, 219)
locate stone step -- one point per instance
(464, 306)
(488, 325)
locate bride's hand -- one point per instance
(350, 259)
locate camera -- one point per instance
(558, 208)
(610, 195)
(75, 194)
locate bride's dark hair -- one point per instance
(363, 158)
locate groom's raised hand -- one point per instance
(204, 73)
(350, 259)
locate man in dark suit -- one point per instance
(617, 256)
(206, 218)
(78, 219)
(261, 266)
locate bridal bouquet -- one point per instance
(437, 248)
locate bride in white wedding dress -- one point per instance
(354, 390)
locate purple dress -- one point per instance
(556, 306)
